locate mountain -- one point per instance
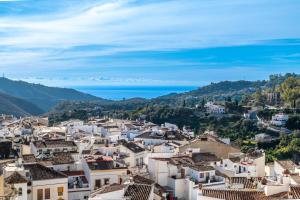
(42, 96)
(17, 107)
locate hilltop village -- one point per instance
(230, 141)
(109, 159)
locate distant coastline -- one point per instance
(120, 92)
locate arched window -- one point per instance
(20, 191)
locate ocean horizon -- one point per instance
(127, 92)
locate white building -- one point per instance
(213, 108)
(51, 146)
(249, 165)
(135, 155)
(103, 170)
(279, 119)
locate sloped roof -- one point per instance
(247, 182)
(132, 146)
(54, 143)
(295, 192)
(286, 164)
(142, 180)
(205, 157)
(239, 194)
(111, 188)
(40, 172)
(138, 191)
(15, 178)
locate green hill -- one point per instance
(42, 96)
(17, 107)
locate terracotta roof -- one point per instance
(54, 143)
(202, 167)
(287, 164)
(62, 158)
(247, 182)
(57, 158)
(204, 157)
(138, 192)
(182, 160)
(111, 188)
(236, 194)
(40, 172)
(15, 178)
(143, 180)
(295, 192)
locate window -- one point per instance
(137, 162)
(20, 191)
(47, 193)
(40, 194)
(201, 175)
(97, 183)
(106, 181)
(141, 161)
(60, 191)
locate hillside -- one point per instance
(219, 91)
(17, 107)
(42, 96)
(213, 91)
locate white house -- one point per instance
(51, 146)
(46, 183)
(19, 183)
(78, 186)
(135, 155)
(103, 170)
(279, 119)
(213, 108)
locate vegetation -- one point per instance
(41, 96)
(290, 91)
(17, 107)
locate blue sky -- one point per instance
(150, 42)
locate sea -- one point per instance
(127, 92)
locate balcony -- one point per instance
(78, 184)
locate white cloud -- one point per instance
(39, 41)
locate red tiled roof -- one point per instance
(295, 192)
(236, 194)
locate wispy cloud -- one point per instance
(50, 36)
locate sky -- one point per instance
(147, 42)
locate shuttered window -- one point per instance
(47, 193)
(40, 194)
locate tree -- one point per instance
(290, 91)
(202, 103)
(259, 97)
